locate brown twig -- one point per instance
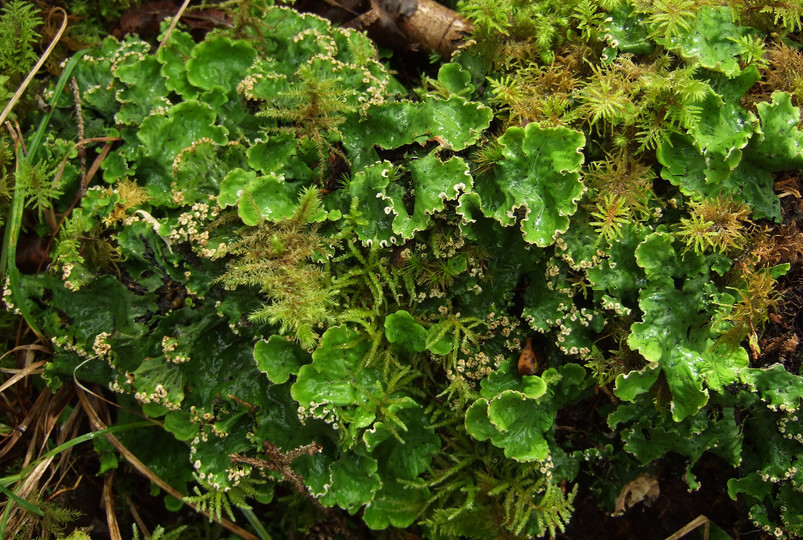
(79, 114)
(281, 462)
(82, 188)
(610, 395)
(66, 489)
(135, 513)
(689, 527)
(174, 23)
(15, 137)
(90, 174)
(108, 502)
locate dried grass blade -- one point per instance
(21, 90)
(174, 23)
(108, 502)
(32, 369)
(689, 527)
(22, 427)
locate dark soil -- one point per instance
(674, 508)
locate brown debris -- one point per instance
(145, 19)
(643, 488)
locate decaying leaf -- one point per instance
(643, 488)
(415, 23)
(528, 363)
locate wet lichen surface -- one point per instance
(548, 286)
